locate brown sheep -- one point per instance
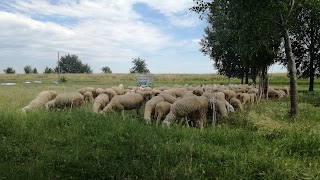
(162, 109)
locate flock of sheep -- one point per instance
(166, 104)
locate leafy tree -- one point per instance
(269, 20)
(9, 70)
(72, 64)
(106, 69)
(139, 66)
(35, 71)
(306, 41)
(48, 70)
(27, 69)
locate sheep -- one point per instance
(118, 89)
(150, 106)
(91, 89)
(41, 99)
(188, 93)
(168, 97)
(229, 94)
(178, 92)
(100, 102)
(244, 98)
(100, 91)
(162, 109)
(198, 91)
(66, 100)
(192, 105)
(236, 104)
(88, 97)
(272, 93)
(110, 92)
(127, 101)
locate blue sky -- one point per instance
(103, 33)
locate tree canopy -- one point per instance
(139, 66)
(243, 36)
(72, 64)
(106, 69)
(9, 70)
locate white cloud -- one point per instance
(99, 32)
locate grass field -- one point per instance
(260, 143)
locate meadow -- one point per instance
(261, 143)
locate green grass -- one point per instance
(260, 143)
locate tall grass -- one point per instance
(260, 143)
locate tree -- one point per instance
(9, 70)
(270, 20)
(27, 69)
(72, 64)
(139, 66)
(48, 70)
(35, 71)
(106, 69)
(306, 42)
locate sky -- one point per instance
(104, 33)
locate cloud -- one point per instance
(99, 32)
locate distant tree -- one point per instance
(9, 70)
(139, 66)
(72, 64)
(35, 71)
(27, 69)
(48, 70)
(106, 69)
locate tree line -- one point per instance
(245, 37)
(72, 64)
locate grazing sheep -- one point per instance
(100, 91)
(118, 89)
(150, 106)
(198, 91)
(193, 105)
(127, 101)
(236, 104)
(100, 102)
(91, 89)
(244, 98)
(177, 92)
(188, 93)
(88, 97)
(110, 92)
(162, 109)
(168, 97)
(41, 99)
(272, 93)
(221, 109)
(66, 100)
(229, 94)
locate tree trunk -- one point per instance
(264, 83)
(293, 75)
(312, 55)
(247, 76)
(312, 73)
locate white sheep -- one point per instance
(100, 102)
(41, 99)
(88, 97)
(91, 89)
(127, 101)
(66, 100)
(110, 92)
(168, 97)
(161, 110)
(150, 106)
(193, 105)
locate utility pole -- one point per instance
(58, 70)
